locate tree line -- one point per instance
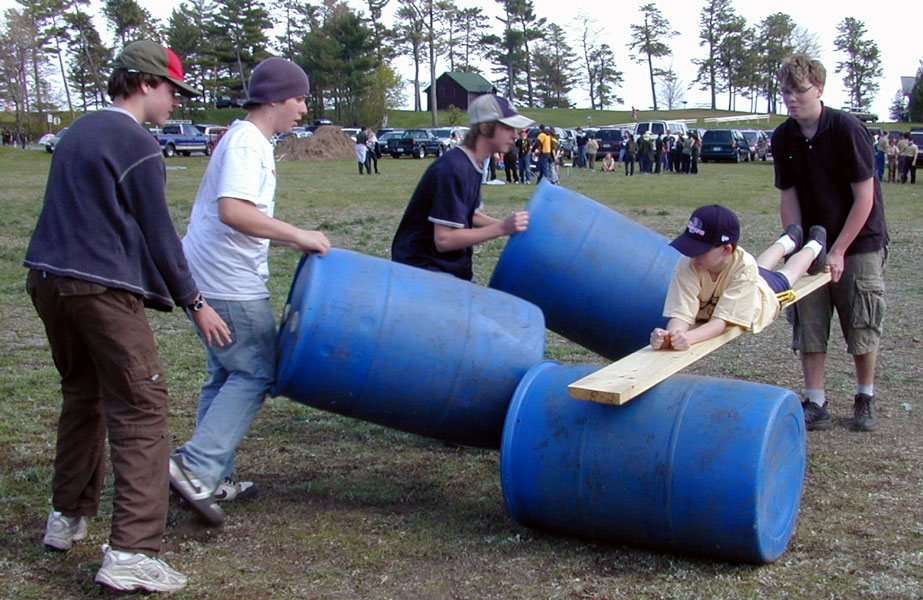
(348, 53)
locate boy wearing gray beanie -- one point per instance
(227, 245)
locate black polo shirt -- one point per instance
(822, 170)
(449, 193)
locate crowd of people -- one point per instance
(899, 155)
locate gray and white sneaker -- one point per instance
(191, 488)
(130, 571)
(231, 489)
(61, 532)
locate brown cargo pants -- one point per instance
(111, 380)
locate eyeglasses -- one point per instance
(795, 91)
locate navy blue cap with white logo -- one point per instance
(708, 227)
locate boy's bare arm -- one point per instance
(679, 335)
(485, 228)
(246, 218)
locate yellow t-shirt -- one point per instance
(739, 295)
(545, 139)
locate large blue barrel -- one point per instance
(599, 277)
(413, 350)
(696, 465)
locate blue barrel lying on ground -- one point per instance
(599, 277)
(406, 348)
(696, 465)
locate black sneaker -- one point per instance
(864, 411)
(816, 417)
(796, 234)
(191, 488)
(818, 234)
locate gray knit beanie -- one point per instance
(274, 80)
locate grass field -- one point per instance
(350, 510)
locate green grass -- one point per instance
(354, 510)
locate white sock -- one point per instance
(815, 247)
(868, 390)
(787, 243)
(815, 395)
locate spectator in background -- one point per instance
(544, 142)
(907, 157)
(373, 152)
(523, 148)
(894, 154)
(581, 148)
(609, 162)
(881, 152)
(510, 165)
(645, 152)
(362, 150)
(631, 151)
(626, 137)
(696, 150)
(592, 147)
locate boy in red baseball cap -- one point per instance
(104, 248)
(716, 283)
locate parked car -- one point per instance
(50, 140)
(758, 142)
(445, 135)
(214, 133)
(228, 102)
(659, 127)
(610, 140)
(184, 138)
(351, 132)
(384, 137)
(416, 143)
(724, 144)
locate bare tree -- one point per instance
(671, 90)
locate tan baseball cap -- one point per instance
(489, 107)
(145, 56)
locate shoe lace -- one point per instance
(864, 407)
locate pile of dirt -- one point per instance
(328, 143)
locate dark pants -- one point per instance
(903, 167)
(544, 167)
(370, 159)
(629, 163)
(111, 380)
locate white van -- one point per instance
(658, 127)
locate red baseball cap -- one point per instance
(145, 56)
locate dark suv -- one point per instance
(610, 141)
(724, 144)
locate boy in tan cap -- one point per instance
(104, 248)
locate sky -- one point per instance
(900, 52)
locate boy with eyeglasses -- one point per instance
(825, 169)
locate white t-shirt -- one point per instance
(739, 296)
(227, 264)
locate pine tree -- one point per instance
(647, 41)
(863, 67)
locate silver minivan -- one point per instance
(659, 127)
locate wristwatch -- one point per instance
(197, 304)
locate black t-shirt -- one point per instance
(822, 170)
(449, 193)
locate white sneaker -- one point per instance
(231, 489)
(130, 571)
(190, 487)
(61, 532)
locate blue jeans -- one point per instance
(581, 157)
(240, 375)
(525, 168)
(543, 165)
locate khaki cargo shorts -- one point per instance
(858, 298)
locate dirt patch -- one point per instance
(327, 143)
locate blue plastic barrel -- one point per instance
(599, 277)
(696, 465)
(410, 349)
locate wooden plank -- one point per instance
(640, 371)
